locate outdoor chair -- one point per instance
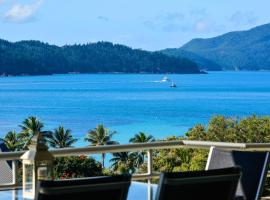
(94, 188)
(254, 167)
(219, 184)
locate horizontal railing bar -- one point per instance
(116, 148)
(258, 146)
(11, 155)
(144, 176)
(207, 144)
(144, 146)
(8, 186)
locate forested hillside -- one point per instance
(203, 63)
(35, 58)
(247, 50)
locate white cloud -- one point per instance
(201, 26)
(22, 12)
(2, 1)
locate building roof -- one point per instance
(6, 168)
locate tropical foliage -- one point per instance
(123, 162)
(139, 157)
(181, 159)
(76, 167)
(252, 129)
(141, 137)
(29, 128)
(100, 136)
(61, 138)
(13, 141)
(255, 129)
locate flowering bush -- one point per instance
(76, 167)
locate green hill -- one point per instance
(248, 50)
(203, 63)
(36, 58)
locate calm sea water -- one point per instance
(131, 103)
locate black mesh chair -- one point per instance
(254, 170)
(217, 184)
(96, 188)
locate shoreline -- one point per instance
(126, 73)
(101, 73)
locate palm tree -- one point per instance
(31, 127)
(123, 161)
(12, 141)
(141, 137)
(100, 136)
(61, 138)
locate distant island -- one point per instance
(239, 50)
(38, 58)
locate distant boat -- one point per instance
(236, 68)
(173, 85)
(165, 79)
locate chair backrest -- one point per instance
(96, 188)
(254, 169)
(211, 185)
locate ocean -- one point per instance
(129, 103)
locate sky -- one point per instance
(144, 24)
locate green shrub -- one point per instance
(76, 167)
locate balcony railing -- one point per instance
(149, 147)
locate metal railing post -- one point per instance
(149, 190)
(149, 172)
(150, 162)
(14, 172)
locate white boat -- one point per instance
(173, 85)
(165, 79)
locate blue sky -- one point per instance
(146, 24)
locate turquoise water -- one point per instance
(131, 103)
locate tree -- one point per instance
(123, 162)
(179, 159)
(12, 141)
(76, 167)
(252, 129)
(140, 138)
(100, 136)
(61, 138)
(31, 127)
